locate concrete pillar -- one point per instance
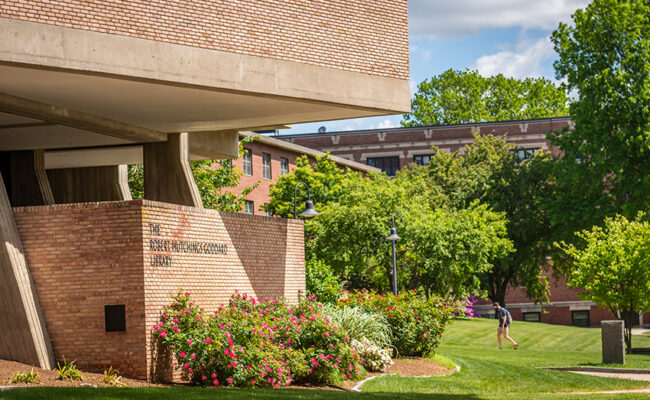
(89, 184)
(29, 183)
(613, 341)
(167, 172)
(23, 335)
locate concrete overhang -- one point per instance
(168, 88)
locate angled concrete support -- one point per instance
(24, 336)
(29, 183)
(80, 185)
(167, 172)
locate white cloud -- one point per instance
(525, 60)
(385, 124)
(456, 18)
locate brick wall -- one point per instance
(355, 35)
(86, 256)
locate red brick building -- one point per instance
(266, 159)
(392, 149)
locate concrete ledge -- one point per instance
(600, 369)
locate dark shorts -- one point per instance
(507, 325)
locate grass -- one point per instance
(486, 373)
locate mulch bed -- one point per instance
(401, 367)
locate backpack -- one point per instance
(508, 316)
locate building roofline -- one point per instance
(282, 144)
(435, 127)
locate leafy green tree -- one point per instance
(489, 172)
(321, 281)
(604, 57)
(211, 177)
(325, 180)
(456, 97)
(613, 267)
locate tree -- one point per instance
(457, 97)
(489, 172)
(605, 59)
(211, 177)
(613, 267)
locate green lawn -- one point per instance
(486, 372)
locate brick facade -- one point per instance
(89, 255)
(353, 35)
(407, 143)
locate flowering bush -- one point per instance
(416, 323)
(257, 343)
(373, 358)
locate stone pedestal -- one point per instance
(613, 341)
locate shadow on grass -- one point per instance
(206, 393)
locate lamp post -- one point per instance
(393, 238)
(309, 205)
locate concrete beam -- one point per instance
(77, 119)
(24, 336)
(167, 172)
(29, 183)
(80, 185)
(214, 145)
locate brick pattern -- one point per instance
(354, 35)
(407, 142)
(85, 256)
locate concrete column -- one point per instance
(29, 183)
(23, 335)
(613, 341)
(89, 184)
(167, 172)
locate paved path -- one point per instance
(634, 377)
(640, 331)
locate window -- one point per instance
(422, 159)
(284, 166)
(524, 154)
(248, 162)
(267, 212)
(249, 207)
(580, 318)
(389, 165)
(115, 318)
(266, 166)
(532, 317)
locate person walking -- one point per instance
(505, 319)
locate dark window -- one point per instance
(267, 212)
(389, 165)
(524, 154)
(115, 318)
(266, 166)
(580, 318)
(422, 159)
(248, 162)
(532, 317)
(284, 166)
(249, 207)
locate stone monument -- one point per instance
(613, 341)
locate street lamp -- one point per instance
(393, 238)
(309, 205)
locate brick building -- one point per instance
(87, 88)
(392, 149)
(268, 158)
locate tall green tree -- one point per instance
(212, 177)
(604, 57)
(613, 267)
(488, 171)
(456, 97)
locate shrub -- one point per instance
(416, 323)
(68, 371)
(30, 377)
(257, 343)
(322, 282)
(359, 324)
(373, 357)
(112, 377)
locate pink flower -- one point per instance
(226, 352)
(214, 375)
(215, 382)
(253, 381)
(186, 365)
(207, 340)
(204, 377)
(156, 327)
(183, 354)
(191, 371)
(229, 380)
(175, 320)
(163, 334)
(187, 293)
(190, 342)
(193, 356)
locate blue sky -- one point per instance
(492, 36)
